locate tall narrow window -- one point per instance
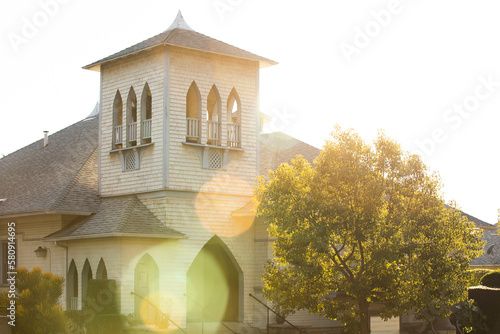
(146, 285)
(193, 114)
(86, 277)
(101, 273)
(72, 287)
(234, 119)
(117, 121)
(131, 118)
(146, 114)
(213, 117)
(7, 258)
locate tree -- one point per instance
(366, 224)
(37, 307)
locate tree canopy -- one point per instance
(366, 224)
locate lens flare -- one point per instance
(215, 212)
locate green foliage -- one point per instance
(469, 318)
(77, 321)
(38, 311)
(475, 275)
(491, 279)
(368, 221)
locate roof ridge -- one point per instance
(127, 213)
(73, 181)
(170, 34)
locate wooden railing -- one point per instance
(158, 311)
(193, 128)
(213, 136)
(233, 135)
(118, 135)
(146, 129)
(301, 331)
(73, 303)
(132, 132)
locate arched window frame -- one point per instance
(233, 120)
(86, 277)
(153, 278)
(214, 117)
(193, 114)
(132, 134)
(102, 272)
(117, 136)
(146, 115)
(72, 287)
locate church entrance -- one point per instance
(214, 285)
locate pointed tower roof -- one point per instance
(179, 23)
(182, 35)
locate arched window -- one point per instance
(213, 117)
(101, 273)
(146, 285)
(131, 118)
(146, 114)
(72, 287)
(117, 141)
(234, 119)
(193, 114)
(86, 277)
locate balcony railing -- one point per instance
(213, 136)
(132, 132)
(73, 303)
(193, 128)
(118, 135)
(233, 135)
(146, 129)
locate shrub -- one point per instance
(37, 307)
(475, 276)
(102, 302)
(469, 318)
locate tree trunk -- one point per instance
(364, 317)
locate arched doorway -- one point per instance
(146, 284)
(214, 285)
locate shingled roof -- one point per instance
(180, 34)
(123, 216)
(61, 177)
(277, 148)
(491, 255)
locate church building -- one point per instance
(154, 188)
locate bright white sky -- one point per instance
(429, 68)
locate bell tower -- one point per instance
(179, 112)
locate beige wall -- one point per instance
(30, 231)
(132, 71)
(226, 73)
